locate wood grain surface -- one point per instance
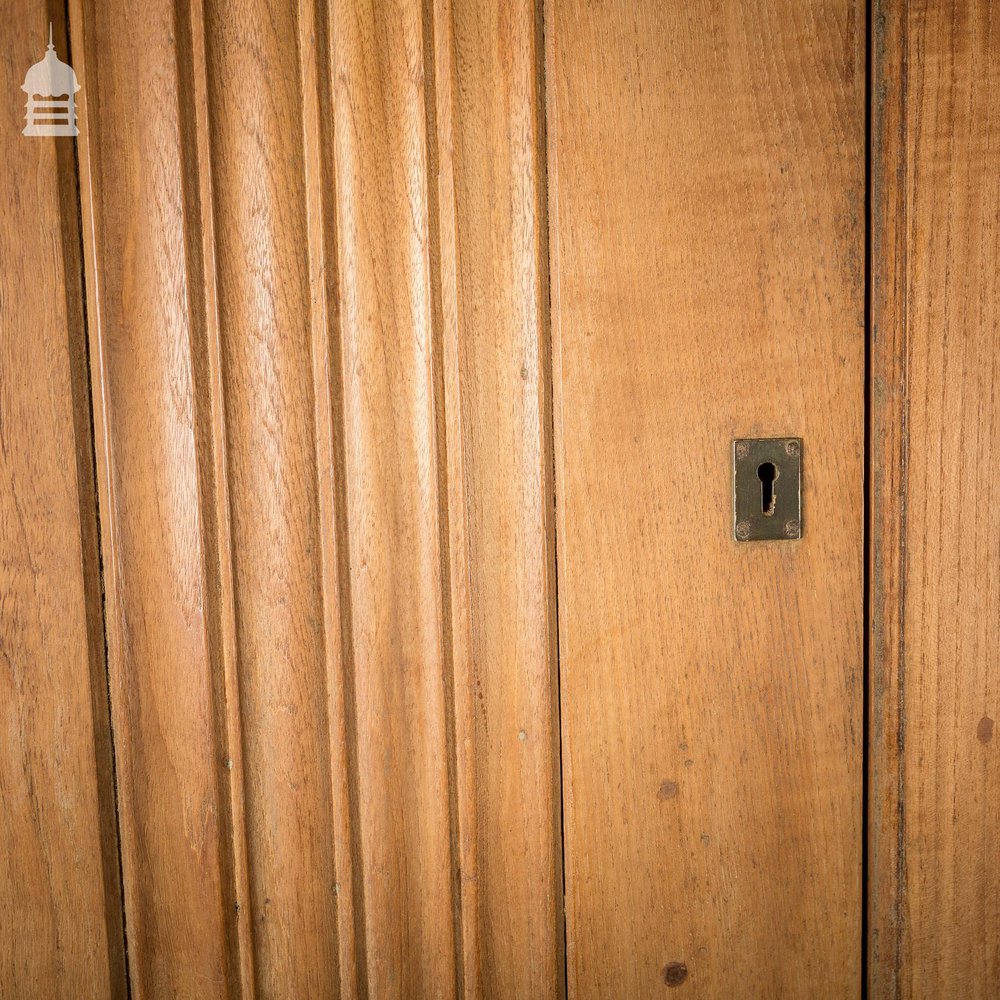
(707, 171)
(145, 323)
(392, 504)
(264, 303)
(368, 380)
(935, 888)
(496, 358)
(326, 473)
(60, 921)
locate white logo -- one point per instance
(44, 82)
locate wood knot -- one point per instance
(675, 973)
(668, 789)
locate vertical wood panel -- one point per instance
(707, 189)
(60, 902)
(318, 153)
(263, 266)
(936, 480)
(210, 442)
(495, 358)
(346, 540)
(398, 657)
(146, 327)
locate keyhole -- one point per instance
(767, 474)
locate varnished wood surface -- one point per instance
(338, 441)
(264, 299)
(935, 891)
(707, 170)
(496, 359)
(330, 590)
(392, 513)
(145, 324)
(60, 922)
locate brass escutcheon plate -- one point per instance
(767, 489)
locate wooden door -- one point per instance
(373, 623)
(707, 166)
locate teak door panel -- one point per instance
(496, 372)
(935, 461)
(707, 170)
(60, 914)
(327, 528)
(144, 325)
(372, 620)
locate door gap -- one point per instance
(866, 509)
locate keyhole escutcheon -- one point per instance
(763, 508)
